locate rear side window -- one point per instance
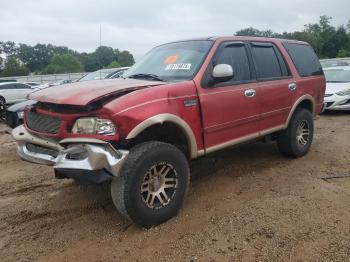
(235, 54)
(22, 86)
(269, 63)
(304, 59)
(8, 86)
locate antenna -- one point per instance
(99, 58)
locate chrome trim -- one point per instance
(292, 86)
(160, 119)
(21, 134)
(98, 154)
(250, 93)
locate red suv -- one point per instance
(182, 100)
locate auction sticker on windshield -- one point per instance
(170, 59)
(182, 66)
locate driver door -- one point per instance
(230, 108)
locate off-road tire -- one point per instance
(126, 189)
(287, 140)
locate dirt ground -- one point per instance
(244, 204)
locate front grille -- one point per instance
(42, 150)
(42, 123)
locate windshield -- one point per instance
(171, 62)
(97, 75)
(337, 75)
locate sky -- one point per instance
(138, 26)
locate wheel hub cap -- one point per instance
(303, 133)
(159, 185)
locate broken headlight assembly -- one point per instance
(94, 126)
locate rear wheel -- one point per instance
(153, 182)
(296, 140)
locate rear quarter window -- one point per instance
(7, 86)
(304, 59)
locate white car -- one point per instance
(13, 92)
(337, 96)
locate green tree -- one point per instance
(14, 68)
(124, 58)
(328, 41)
(65, 63)
(39, 56)
(104, 55)
(250, 31)
(8, 48)
(343, 53)
(114, 64)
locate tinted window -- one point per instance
(305, 59)
(266, 61)
(7, 86)
(22, 86)
(236, 56)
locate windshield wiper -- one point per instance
(147, 76)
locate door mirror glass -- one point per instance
(222, 72)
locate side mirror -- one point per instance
(222, 72)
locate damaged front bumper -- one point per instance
(87, 159)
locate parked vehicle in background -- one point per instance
(333, 62)
(120, 73)
(14, 114)
(32, 84)
(61, 82)
(182, 100)
(104, 74)
(337, 96)
(14, 92)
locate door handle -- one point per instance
(250, 93)
(292, 86)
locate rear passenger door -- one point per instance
(276, 86)
(22, 91)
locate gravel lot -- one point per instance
(244, 204)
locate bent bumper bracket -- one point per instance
(93, 154)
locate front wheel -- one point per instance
(152, 184)
(296, 140)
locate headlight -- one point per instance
(344, 92)
(20, 114)
(94, 126)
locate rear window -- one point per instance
(304, 59)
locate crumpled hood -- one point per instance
(82, 93)
(332, 88)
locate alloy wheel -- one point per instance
(159, 185)
(303, 133)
